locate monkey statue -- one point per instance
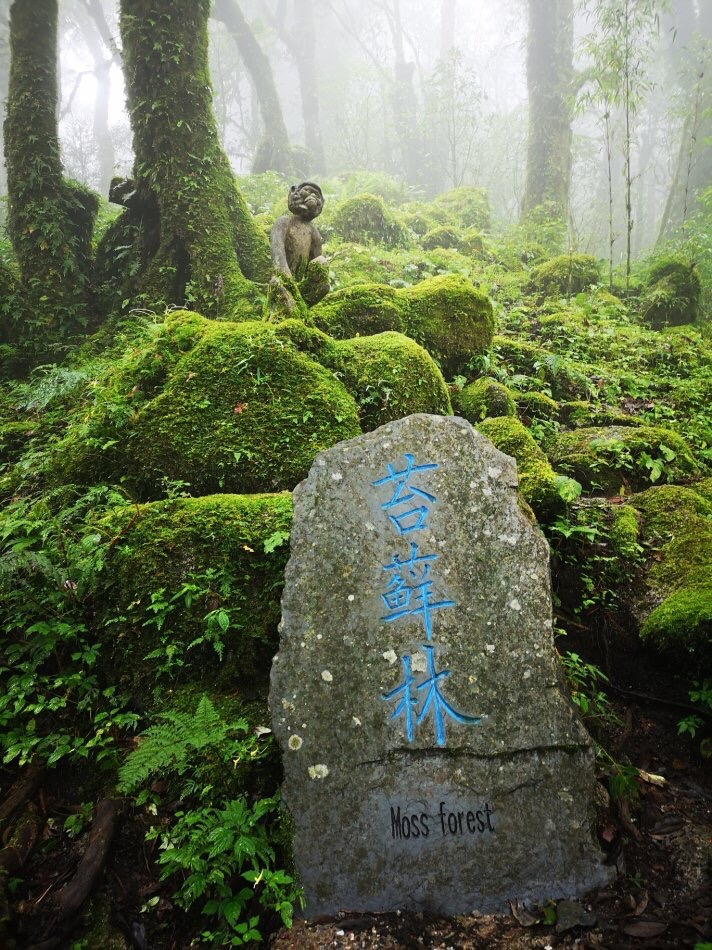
(294, 240)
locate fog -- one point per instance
(431, 92)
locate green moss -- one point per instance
(485, 398)
(676, 604)
(671, 296)
(536, 476)
(682, 621)
(451, 318)
(447, 315)
(467, 207)
(608, 459)
(533, 405)
(50, 219)
(220, 406)
(580, 414)
(390, 377)
(194, 556)
(623, 532)
(442, 236)
(388, 374)
(566, 274)
(193, 237)
(704, 488)
(366, 219)
(564, 378)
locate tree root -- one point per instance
(68, 901)
(23, 789)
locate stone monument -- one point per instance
(432, 760)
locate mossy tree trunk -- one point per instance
(194, 238)
(550, 83)
(274, 151)
(50, 220)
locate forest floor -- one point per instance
(659, 841)
(660, 845)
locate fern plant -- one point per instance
(172, 744)
(224, 855)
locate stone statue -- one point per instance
(294, 240)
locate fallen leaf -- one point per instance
(652, 779)
(522, 915)
(644, 928)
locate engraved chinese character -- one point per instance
(403, 598)
(433, 702)
(413, 517)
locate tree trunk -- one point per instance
(50, 221)
(550, 85)
(274, 151)
(305, 53)
(693, 168)
(300, 40)
(193, 238)
(102, 135)
(4, 77)
(447, 28)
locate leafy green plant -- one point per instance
(585, 681)
(701, 695)
(224, 855)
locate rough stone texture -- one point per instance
(519, 785)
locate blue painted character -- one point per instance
(413, 518)
(434, 700)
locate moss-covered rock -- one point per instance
(671, 296)
(192, 579)
(388, 374)
(675, 605)
(536, 476)
(447, 315)
(534, 405)
(564, 378)
(366, 219)
(442, 236)
(566, 274)
(580, 414)
(467, 207)
(614, 457)
(220, 406)
(485, 398)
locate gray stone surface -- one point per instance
(453, 819)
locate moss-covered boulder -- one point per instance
(366, 218)
(537, 479)
(535, 405)
(580, 414)
(466, 206)
(564, 378)
(388, 374)
(675, 605)
(442, 236)
(193, 590)
(672, 292)
(485, 398)
(220, 406)
(447, 315)
(614, 457)
(566, 274)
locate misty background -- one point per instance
(350, 74)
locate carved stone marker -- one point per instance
(432, 761)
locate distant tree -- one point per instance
(186, 234)
(274, 151)
(620, 48)
(298, 34)
(550, 78)
(50, 220)
(693, 168)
